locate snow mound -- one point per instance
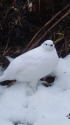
(5, 122)
(47, 106)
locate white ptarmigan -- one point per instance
(33, 65)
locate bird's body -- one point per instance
(33, 65)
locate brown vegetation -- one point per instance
(25, 24)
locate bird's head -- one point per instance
(48, 45)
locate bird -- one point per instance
(32, 65)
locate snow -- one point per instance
(47, 106)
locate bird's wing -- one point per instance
(20, 63)
(28, 59)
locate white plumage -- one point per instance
(33, 65)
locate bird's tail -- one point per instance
(2, 78)
(9, 58)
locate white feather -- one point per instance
(9, 58)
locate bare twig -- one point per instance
(47, 28)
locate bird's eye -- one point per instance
(46, 44)
(51, 45)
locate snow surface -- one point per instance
(47, 106)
